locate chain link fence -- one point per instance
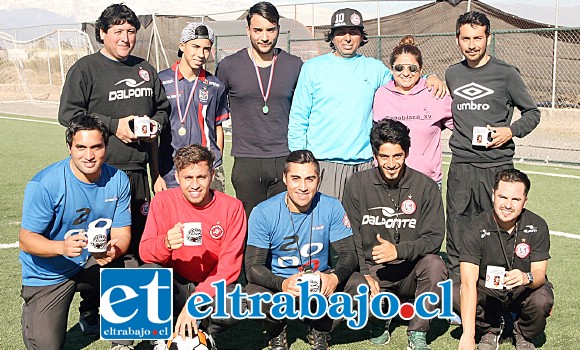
(533, 40)
(550, 74)
(545, 52)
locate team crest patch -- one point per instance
(355, 19)
(522, 250)
(408, 206)
(346, 221)
(144, 209)
(203, 95)
(484, 233)
(216, 231)
(144, 74)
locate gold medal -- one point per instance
(265, 109)
(181, 131)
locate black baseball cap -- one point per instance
(346, 18)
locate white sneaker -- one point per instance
(115, 346)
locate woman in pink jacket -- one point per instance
(407, 100)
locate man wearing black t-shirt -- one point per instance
(510, 244)
(260, 82)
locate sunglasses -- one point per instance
(413, 68)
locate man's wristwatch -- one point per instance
(530, 278)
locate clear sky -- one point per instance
(77, 11)
(537, 10)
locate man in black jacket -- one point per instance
(118, 87)
(485, 91)
(398, 225)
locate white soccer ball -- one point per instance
(202, 341)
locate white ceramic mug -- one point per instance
(494, 277)
(142, 126)
(192, 233)
(313, 281)
(97, 235)
(97, 240)
(481, 136)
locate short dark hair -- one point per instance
(85, 122)
(302, 156)
(193, 154)
(113, 15)
(512, 175)
(407, 45)
(473, 18)
(264, 9)
(199, 30)
(390, 131)
(330, 35)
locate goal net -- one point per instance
(35, 70)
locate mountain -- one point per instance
(41, 16)
(26, 24)
(89, 10)
(18, 18)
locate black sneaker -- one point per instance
(318, 340)
(522, 343)
(278, 342)
(89, 322)
(489, 341)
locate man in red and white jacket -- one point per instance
(211, 248)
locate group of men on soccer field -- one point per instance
(311, 171)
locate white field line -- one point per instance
(229, 141)
(29, 120)
(564, 234)
(10, 245)
(554, 175)
(54, 123)
(566, 176)
(554, 233)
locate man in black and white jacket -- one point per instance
(398, 223)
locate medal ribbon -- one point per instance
(183, 116)
(302, 266)
(264, 96)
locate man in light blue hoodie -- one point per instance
(331, 109)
